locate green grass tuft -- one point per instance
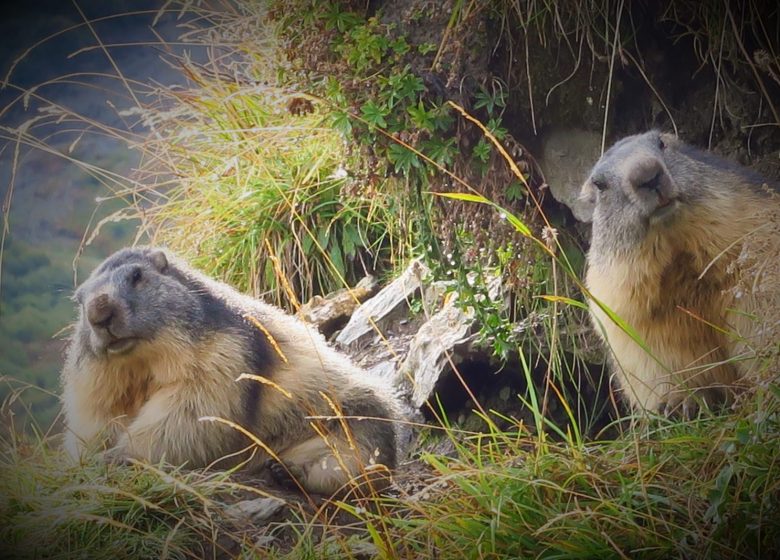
(54, 509)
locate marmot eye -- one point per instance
(661, 145)
(136, 276)
(600, 185)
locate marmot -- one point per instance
(159, 345)
(685, 250)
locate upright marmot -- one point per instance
(158, 346)
(685, 250)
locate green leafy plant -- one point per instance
(490, 101)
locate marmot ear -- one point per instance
(159, 260)
(665, 140)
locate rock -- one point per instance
(367, 317)
(440, 344)
(258, 511)
(567, 157)
(332, 311)
(433, 348)
(435, 293)
(383, 370)
(262, 542)
(361, 549)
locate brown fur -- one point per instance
(150, 403)
(687, 288)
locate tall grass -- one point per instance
(263, 194)
(247, 178)
(50, 508)
(705, 489)
(262, 197)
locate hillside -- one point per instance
(60, 178)
(297, 146)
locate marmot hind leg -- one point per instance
(326, 465)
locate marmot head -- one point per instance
(131, 299)
(633, 190)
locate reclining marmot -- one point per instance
(158, 346)
(685, 250)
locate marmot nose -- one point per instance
(101, 310)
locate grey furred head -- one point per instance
(647, 184)
(635, 188)
(129, 299)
